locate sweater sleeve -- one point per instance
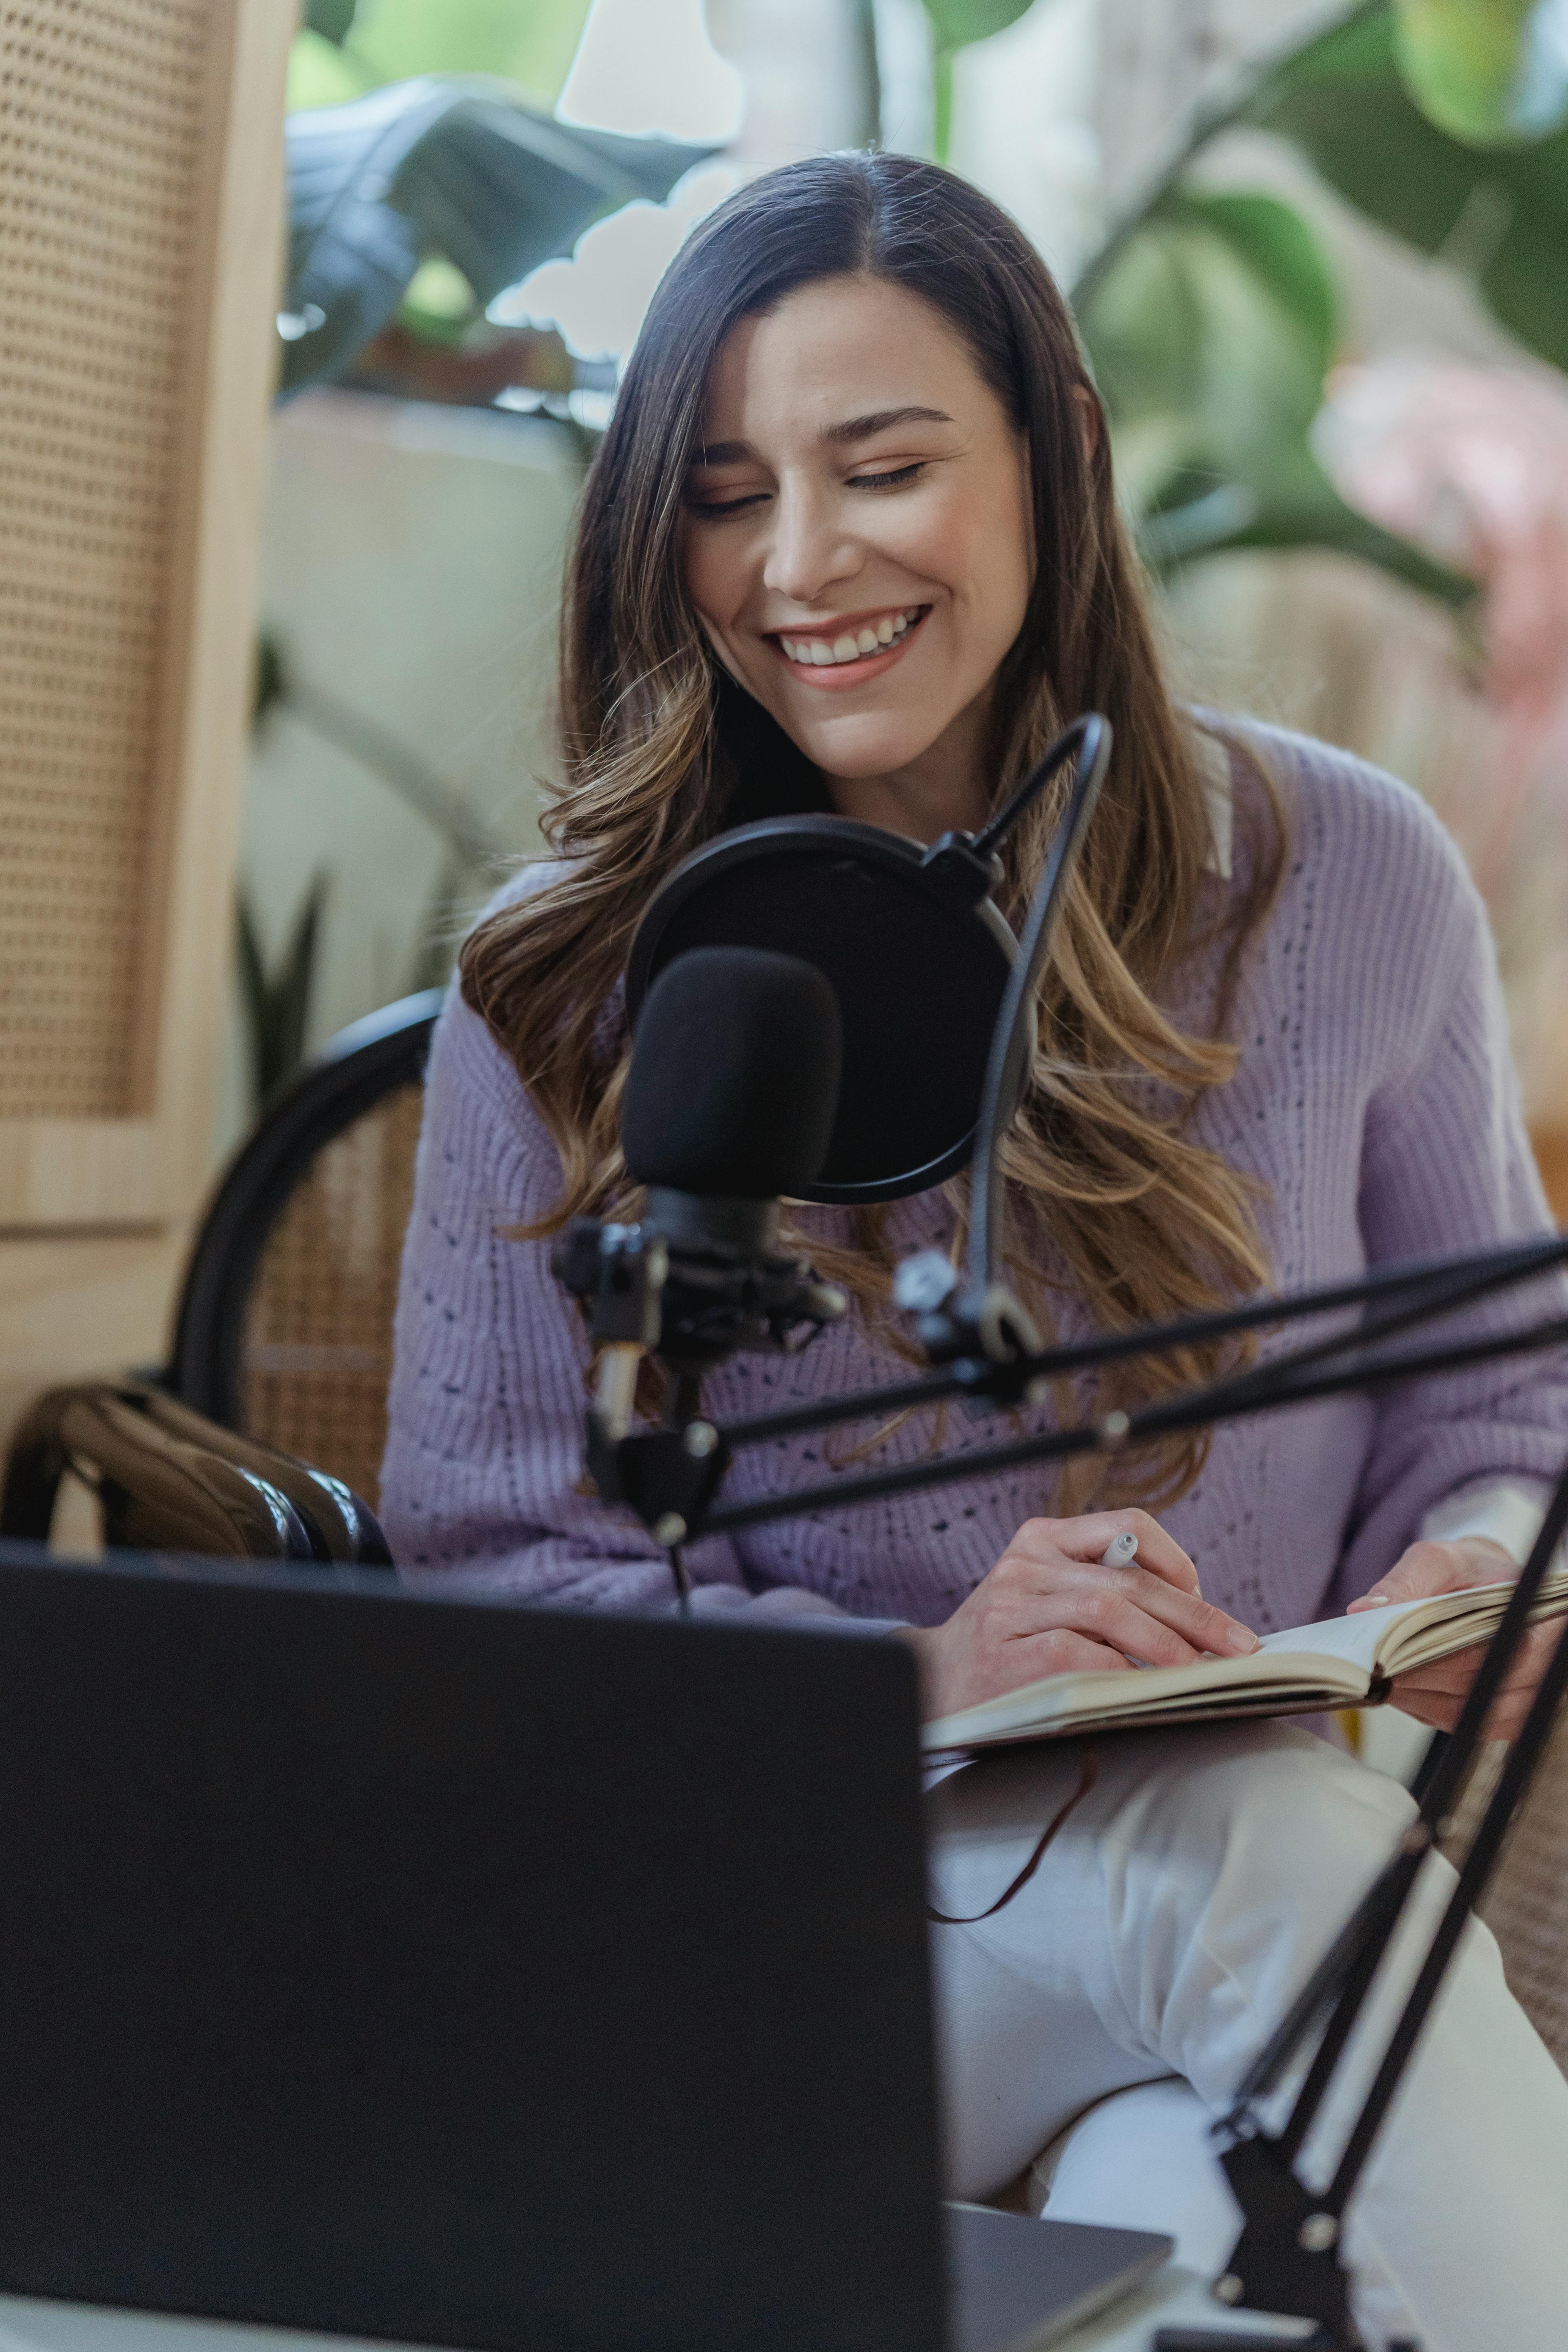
(481, 1481)
(1447, 1167)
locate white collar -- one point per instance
(1218, 787)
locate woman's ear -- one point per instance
(1088, 418)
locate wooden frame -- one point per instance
(96, 1212)
(148, 1166)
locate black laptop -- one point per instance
(478, 1976)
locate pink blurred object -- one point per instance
(1471, 464)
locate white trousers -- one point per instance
(1160, 1941)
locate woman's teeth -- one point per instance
(816, 653)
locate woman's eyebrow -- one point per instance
(860, 428)
(854, 428)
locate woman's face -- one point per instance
(857, 536)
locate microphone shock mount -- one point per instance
(697, 1280)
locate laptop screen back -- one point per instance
(463, 1974)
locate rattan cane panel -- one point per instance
(100, 126)
(317, 1351)
(1526, 1908)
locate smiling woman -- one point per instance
(857, 411)
(851, 545)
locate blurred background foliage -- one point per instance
(427, 173)
(438, 178)
(1213, 319)
(344, 50)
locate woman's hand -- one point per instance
(1435, 1694)
(1050, 1607)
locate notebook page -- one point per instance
(1359, 1638)
(1354, 1638)
(1059, 1699)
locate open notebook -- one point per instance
(1344, 1662)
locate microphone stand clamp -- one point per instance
(963, 874)
(981, 1327)
(667, 1477)
(1287, 2258)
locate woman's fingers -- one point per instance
(1134, 1613)
(1429, 1566)
(1089, 1537)
(1459, 1671)
(1437, 1693)
(1199, 1624)
(1062, 1652)
(1052, 1606)
(1113, 1618)
(1505, 1718)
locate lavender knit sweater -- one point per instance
(1375, 1100)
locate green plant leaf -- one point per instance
(956, 23)
(1500, 214)
(276, 1003)
(321, 74)
(440, 304)
(528, 43)
(1486, 71)
(250, 967)
(293, 980)
(1218, 317)
(1299, 507)
(330, 19)
(408, 773)
(1281, 249)
(270, 688)
(459, 888)
(446, 166)
(1210, 333)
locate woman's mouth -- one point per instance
(852, 650)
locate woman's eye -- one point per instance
(890, 481)
(712, 508)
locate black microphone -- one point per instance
(729, 1104)
(732, 1094)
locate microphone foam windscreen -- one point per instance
(733, 1084)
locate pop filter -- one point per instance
(919, 979)
(916, 954)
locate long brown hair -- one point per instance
(657, 743)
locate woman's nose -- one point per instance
(812, 549)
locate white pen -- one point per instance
(1120, 1552)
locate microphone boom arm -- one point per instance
(1005, 1069)
(979, 1314)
